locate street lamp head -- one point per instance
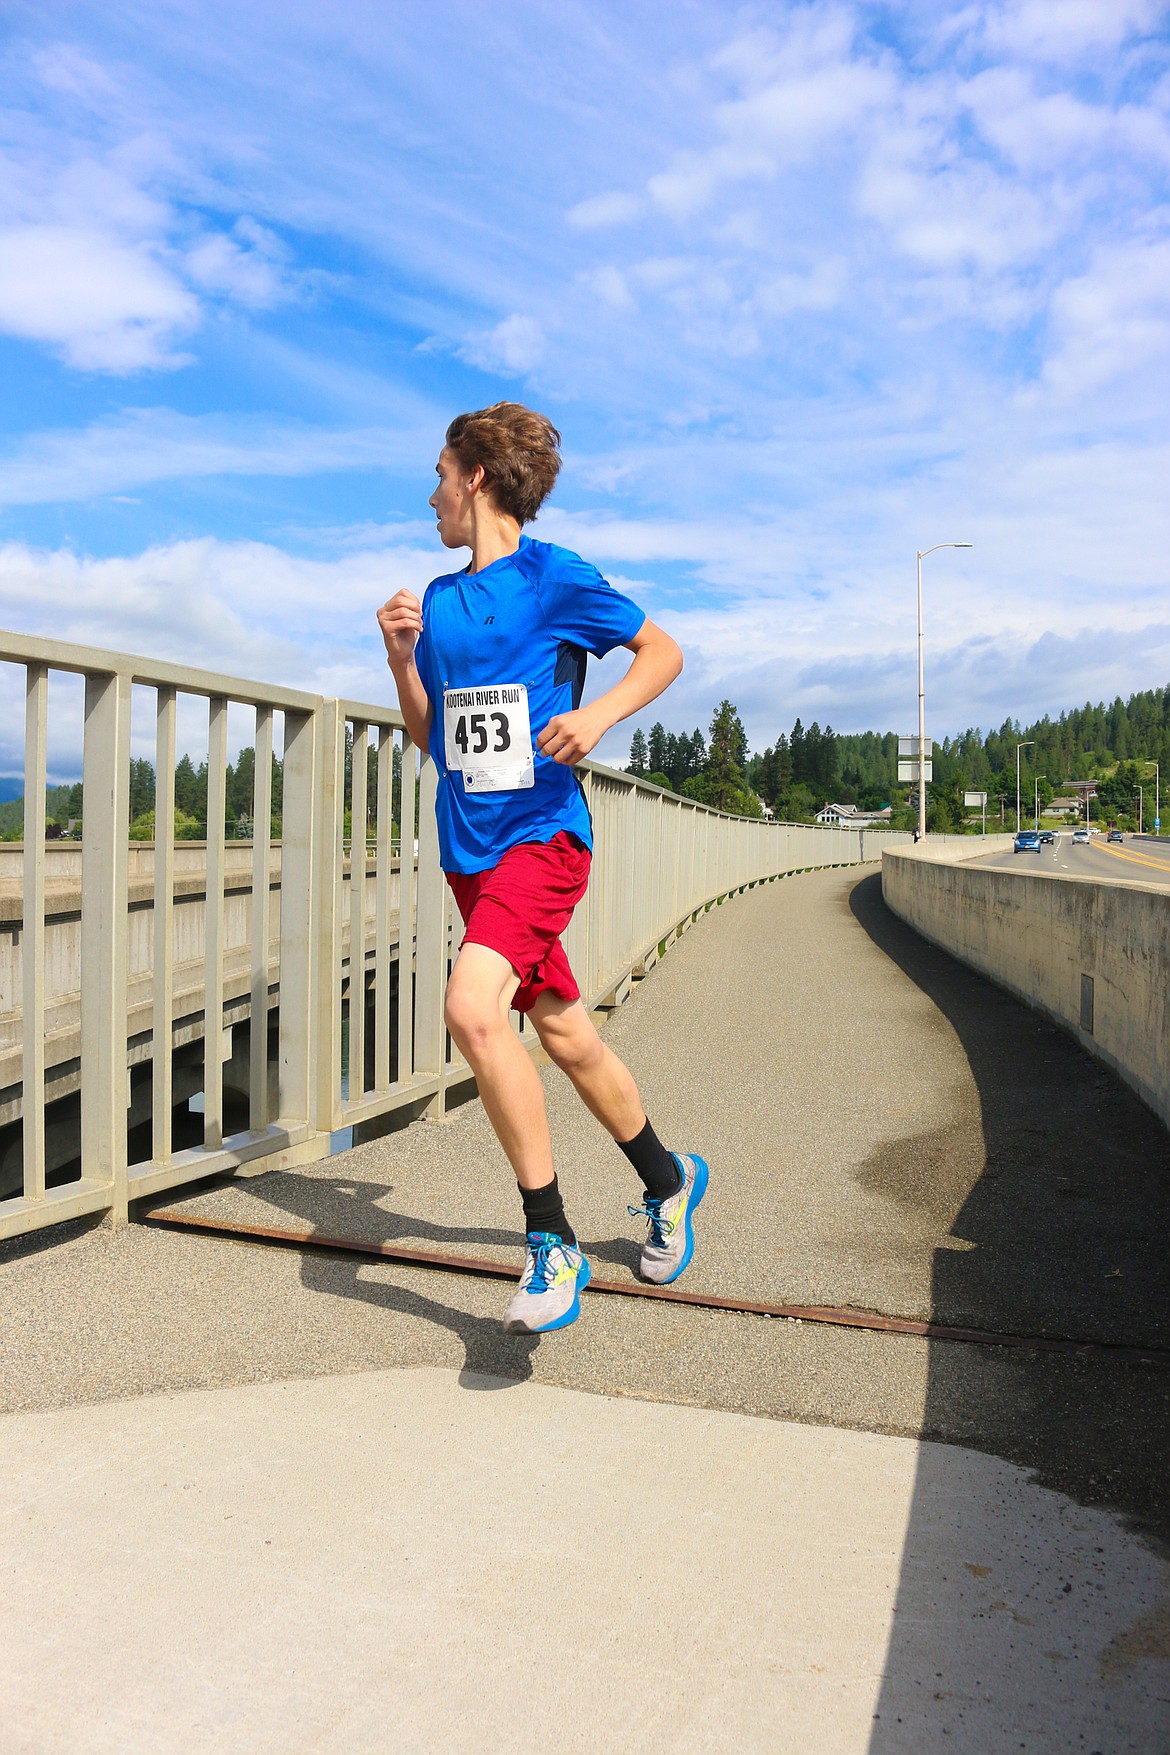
(963, 545)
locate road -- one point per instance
(349, 1507)
(1139, 859)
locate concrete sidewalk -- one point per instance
(419, 1560)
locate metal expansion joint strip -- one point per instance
(497, 1270)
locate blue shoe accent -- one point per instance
(702, 1176)
(573, 1312)
(670, 1237)
(548, 1296)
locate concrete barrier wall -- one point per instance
(1092, 955)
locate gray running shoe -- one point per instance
(554, 1275)
(670, 1236)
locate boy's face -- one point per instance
(452, 501)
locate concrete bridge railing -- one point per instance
(660, 861)
(1091, 954)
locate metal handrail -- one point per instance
(369, 938)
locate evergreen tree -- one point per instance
(638, 753)
(240, 787)
(656, 749)
(141, 787)
(187, 789)
(724, 773)
(799, 759)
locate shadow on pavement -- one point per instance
(1062, 1233)
(338, 1206)
(1064, 1229)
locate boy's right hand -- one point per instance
(401, 623)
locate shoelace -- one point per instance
(659, 1228)
(541, 1252)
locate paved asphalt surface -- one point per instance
(885, 1129)
(1139, 859)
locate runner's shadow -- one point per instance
(343, 1206)
(619, 1251)
(489, 1351)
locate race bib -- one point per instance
(488, 738)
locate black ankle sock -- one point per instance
(544, 1210)
(658, 1170)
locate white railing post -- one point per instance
(329, 858)
(162, 973)
(32, 947)
(298, 1036)
(261, 923)
(105, 1085)
(431, 943)
(357, 910)
(383, 881)
(407, 897)
(214, 941)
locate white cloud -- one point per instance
(107, 306)
(1114, 321)
(517, 345)
(95, 262)
(605, 210)
(247, 267)
(245, 608)
(156, 444)
(1067, 30)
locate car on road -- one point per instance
(1027, 841)
(1080, 838)
(1047, 838)
(1115, 835)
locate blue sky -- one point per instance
(806, 287)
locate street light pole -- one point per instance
(1141, 798)
(922, 552)
(1036, 798)
(1019, 747)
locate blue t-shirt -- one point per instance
(531, 619)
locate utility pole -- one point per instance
(922, 552)
(1157, 799)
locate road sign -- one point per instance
(908, 746)
(909, 770)
(974, 800)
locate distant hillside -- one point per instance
(11, 786)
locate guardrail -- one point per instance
(659, 861)
(1091, 954)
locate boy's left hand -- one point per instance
(569, 737)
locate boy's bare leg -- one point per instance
(479, 995)
(570, 1039)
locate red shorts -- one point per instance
(520, 909)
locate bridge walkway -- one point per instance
(885, 1131)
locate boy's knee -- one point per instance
(469, 1019)
(572, 1050)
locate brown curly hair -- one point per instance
(518, 450)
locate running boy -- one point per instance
(490, 669)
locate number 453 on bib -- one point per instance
(488, 738)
